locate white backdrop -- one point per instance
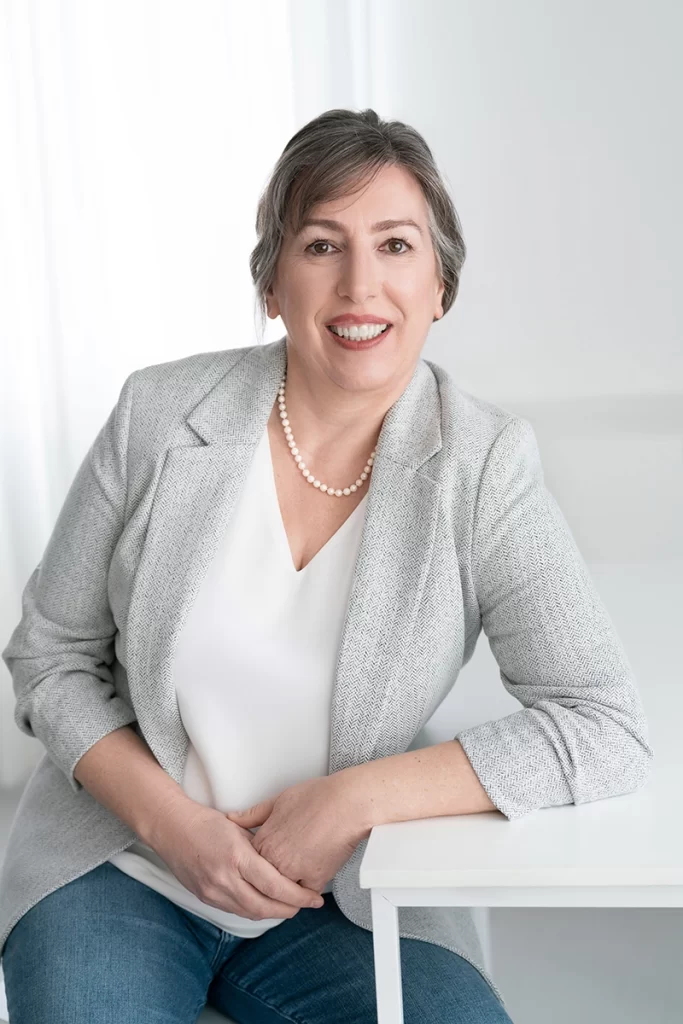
(135, 137)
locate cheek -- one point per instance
(306, 289)
(412, 295)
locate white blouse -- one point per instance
(253, 670)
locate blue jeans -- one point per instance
(108, 949)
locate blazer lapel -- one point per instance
(389, 576)
(198, 488)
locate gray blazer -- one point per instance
(459, 533)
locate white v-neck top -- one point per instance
(254, 668)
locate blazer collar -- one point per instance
(410, 434)
(196, 487)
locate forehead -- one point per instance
(393, 197)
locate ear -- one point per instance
(272, 305)
(438, 308)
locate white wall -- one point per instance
(558, 126)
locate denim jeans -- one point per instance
(108, 949)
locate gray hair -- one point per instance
(330, 157)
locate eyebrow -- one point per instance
(381, 225)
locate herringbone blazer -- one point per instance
(460, 533)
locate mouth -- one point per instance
(346, 339)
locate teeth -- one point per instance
(360, 333)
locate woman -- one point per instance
(238, 610)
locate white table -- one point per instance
(620, 852)
(624, 851)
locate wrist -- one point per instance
(356, 786)
(174, 811)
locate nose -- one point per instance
(359, 275)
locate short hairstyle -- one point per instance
(330, 157)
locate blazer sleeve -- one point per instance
(581, 734)
(60, 653)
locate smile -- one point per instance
(365, 336)
(358, 332)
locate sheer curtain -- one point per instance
(135, 138)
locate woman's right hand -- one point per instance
(214, 858)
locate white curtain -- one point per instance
(135, 137)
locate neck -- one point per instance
(327, 417)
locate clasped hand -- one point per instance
(308, 830)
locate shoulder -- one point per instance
(163, 395)
(488, 454)
(470, 425)
(186, 378)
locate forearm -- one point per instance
(121, 772)
(426, 783)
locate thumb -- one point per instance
(255, 815)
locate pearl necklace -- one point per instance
(302, 465)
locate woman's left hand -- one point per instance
(309, 830)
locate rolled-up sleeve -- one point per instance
(60, 654)
(582, 733)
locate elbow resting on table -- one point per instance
(554, 753)
(643, 758)
(630, 773)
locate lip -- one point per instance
(350, 319)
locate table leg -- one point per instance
(386, 945)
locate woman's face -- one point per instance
(359, 266)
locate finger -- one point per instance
(249, 902)
(265, 877)
(259, 907)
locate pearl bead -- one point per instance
(310, 477)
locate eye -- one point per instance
(319, 241)
(404, 241)
(324, 241)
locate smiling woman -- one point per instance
(360, 251)
(361, 274)
(265, 579)
(391, 253)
